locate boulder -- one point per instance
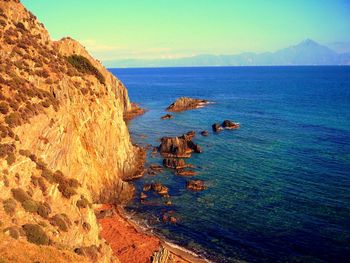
(195, 185)
(185, 103)
(167, 116)
(227, 124)
(175, 163)
(146, 187)
(143, 196)
(216, 127)
(191, 134)
(204, 133)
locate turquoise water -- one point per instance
(279, 187)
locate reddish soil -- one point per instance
(127, 243)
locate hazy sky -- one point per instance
(115, 29)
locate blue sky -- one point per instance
(177, 28)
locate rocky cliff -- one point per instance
(64, 144)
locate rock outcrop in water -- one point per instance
(185, 103)
(64, 143)
(180, 147)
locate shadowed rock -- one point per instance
(204, 133)
(227, 124)
(216, 127)
(185, 103)
(167, 116)
(175, 163)
(180, 147)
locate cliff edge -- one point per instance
(64, 144)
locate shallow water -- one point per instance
(279, 187)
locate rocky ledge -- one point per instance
(185, 103)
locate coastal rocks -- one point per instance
(160, 189)
(180, 147)
(147, 187)
(143, 196)
(227, 124)
(167, 117)
(195, 185)
(183, 172)
(204, 133)
(154, 169)
(216, 127)
(175, 163)
(134, 111)
(185, 103)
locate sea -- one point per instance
(278, 188)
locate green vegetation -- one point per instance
(36, 234)
(83, 65)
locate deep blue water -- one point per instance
(279, 187)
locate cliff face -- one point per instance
(64, 143)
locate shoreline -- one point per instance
(132, 242)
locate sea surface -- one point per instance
(279, 187)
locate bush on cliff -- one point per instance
(9, 206)
(35, 234)
(83, 65)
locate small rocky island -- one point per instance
(185, 103)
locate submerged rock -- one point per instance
(185, 103)
(195, 185)
(182, 172)
(167, 116)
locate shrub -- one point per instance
(20, 195)
(44, 210)
(4, 107)
(30, 206)
(11, 159)
(42, 185)
(6, 149)
(6, 181)
(67, 192)
(87, 226)
(35, 234)
(25, 153)
(13, 120)
(83, 202)
(12, 231)
(40, 164)
(48, 175)
(9, 206)
(90, 252)
(61, 221)
(83, 65)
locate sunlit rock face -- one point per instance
(64, 142)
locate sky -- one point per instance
(149, 29)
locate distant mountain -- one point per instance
(308, 52)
